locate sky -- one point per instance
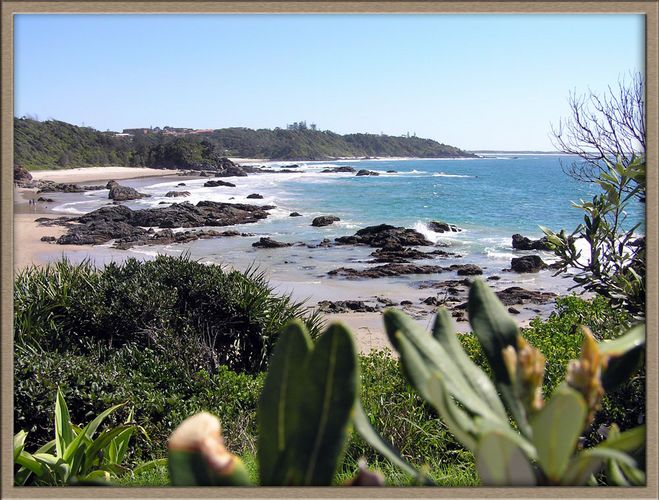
(471, 81)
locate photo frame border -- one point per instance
(9, 9)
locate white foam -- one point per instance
(442, 174)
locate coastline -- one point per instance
(368, 327)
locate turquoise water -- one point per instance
(489, 198)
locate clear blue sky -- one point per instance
(473, 81)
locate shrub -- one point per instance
(215, 317)
(559, 339)
(160, 389)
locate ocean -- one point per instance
(489, 198)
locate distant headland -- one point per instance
(54, 144)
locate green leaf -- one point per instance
(496, 330)
(458, 422)
(629, 441)
(500, 462)
(556, 430)
(444, 333)
(19, 443)
(493, 326)
(101, 442)
(330, 392)
(588, 462)
(371, 436)
(435, 358)
(97, 475)
(88, 432)
(278, 411)
(63, 432)
(625, 356)
(152, 464)
(634, 338)
(119, 446)
(28, 461)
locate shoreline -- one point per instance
(368, 327)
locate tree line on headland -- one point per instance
(55, 144)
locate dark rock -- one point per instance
(53, 187)
(392, 172)
(181, 184)
(227, 168)
(385, 301)
(385, 235)
(123, 193)
(295, 165)
(22, 177)
(48, 238)
(270, 243)
(120, 222)
(512, 310)
(466, 269)
(255, 196)
(325, 243)
(295, 214)
(394, 269)
(405, 302)
(515, 295)
(363, 172)
(324, 220)
(165, 237)
(46, 200)
(443, 227)
(218, 183)
(431, 301)
(523, 243)
(527, 264)
(345, 306)
(399, 254)
(177, 194)
(494, 278)
(337, 170)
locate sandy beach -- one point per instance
(96, 174)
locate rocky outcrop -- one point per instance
(254, 196)
(385, 235)
(399, 254)
(227, 168)
(21, 176)
(123, 193)
(295, 214)
(337, 170)
(394, 269)
(218, 183)
(270, 243)
(177, 194)
(324, 220)
(523, 243)
(527, 264)
(466, 269)
(515, 295)
(364, 172)
(346, 306)
(166, 237)
(58, 187)
(120, 222)
(443, 227)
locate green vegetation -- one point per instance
(86, 331)
(614, 266)
(55, 144)
(79, 456)
(607, 134)
(539, 445)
